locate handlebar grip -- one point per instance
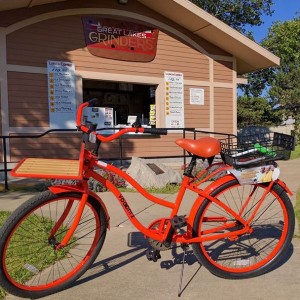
(159, 131)
(93, 102)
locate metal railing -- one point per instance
(121, 158)
(5, 139)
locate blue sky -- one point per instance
(283, 10)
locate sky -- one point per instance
(283, 10)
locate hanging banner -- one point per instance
(122, 40)
(174, 100)
(61, 94)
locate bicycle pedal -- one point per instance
(178, 222)
(184, 247)
(153, 255)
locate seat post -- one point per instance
(188, 171)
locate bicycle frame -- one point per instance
(192, 184)
(240, 223)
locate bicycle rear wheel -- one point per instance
(251, 254)
(31, 266)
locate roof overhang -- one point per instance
(249, 55)
(14, 4)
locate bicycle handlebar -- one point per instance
(85, 129)
(159, 131)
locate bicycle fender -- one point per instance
(208, 190)
(58, 189)
(284, 186)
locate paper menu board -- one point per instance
(174, 102)
(61, 94)
(152, 114)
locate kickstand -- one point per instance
(184, 247)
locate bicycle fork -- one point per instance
(60, 222)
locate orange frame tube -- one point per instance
(159, 236)
(187, 183)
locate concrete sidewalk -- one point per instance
(122, 271)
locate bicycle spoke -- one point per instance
(35, 255)
(249, 252)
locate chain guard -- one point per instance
(158, 245)
(156, 226)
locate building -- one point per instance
(168, 62)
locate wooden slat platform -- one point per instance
(48, 168)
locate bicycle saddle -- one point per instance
(204, 147)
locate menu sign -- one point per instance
(174, 100)
(61, 94)
(122, 40)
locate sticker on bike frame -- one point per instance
(256, 175)
(64, 182)
(102, 163)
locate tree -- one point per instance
(284, 82)
(256, 110)
(236, 13)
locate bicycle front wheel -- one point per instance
(31, 266)
(253, 253)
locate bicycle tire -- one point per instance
(31, 267)
(251, 254)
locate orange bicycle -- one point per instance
(239, 225)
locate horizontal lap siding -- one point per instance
(223, 71)
(63, 39)
(224, 117)
(28, 102)
(159, 146)
(1, 149)
(67, 145)
(53, 145)
(196, 116)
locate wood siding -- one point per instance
(223, 71)
(224, 117)
(62, 38)
(53, 145)
(1, 144)
(67, 145)
(28, 100)
(10, 17)
(196, 116)
(65, 41)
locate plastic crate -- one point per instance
(254, 150)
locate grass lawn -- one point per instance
(296, 153)
(297, 209)
(3, 216)
(38, 255)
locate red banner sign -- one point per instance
(122, 40)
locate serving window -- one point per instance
(130, 102)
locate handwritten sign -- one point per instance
(61, 94)
(174, 103)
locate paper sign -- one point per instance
(196, 96)
(174, 102)
(61, 94)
